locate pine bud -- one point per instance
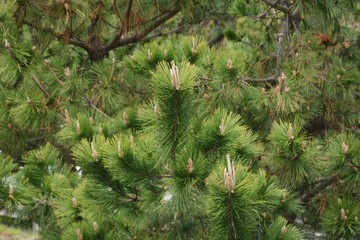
(346, 44)
(166, 53)
(296, 55)
(157, 110)
(294, 73)
(344, 148)
(356, 219)
(94, 153)
(343, 215)
(11, 191)
(95, 226)
(79, 235)
(119, 150)
(339, 201)
(291, 132)
(91, 120)
(28, 100)
(277, 89)
(132, 141)
(67, 6)
(67, 116)
(78, 130)
(286, 89)
(190, 165)
(149, 54)
(125, 118)
(229, 64)
(282, 79)
(283, 198)
(7, 44)
(222, 127)
(67, 72)
(206, 181)
(100, 131)
(283, 230)
(303, 146)
(193, 50)
(263, 91)
(74, 202)
(33, 48)
(229, 175)
(175, 79)
(338, 76)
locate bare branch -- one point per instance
(268, 79)
(159, 34)
(53, 73)
(40, 85)
(320, 185)
(277, 6)
(118, 41)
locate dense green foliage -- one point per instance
(180, 119)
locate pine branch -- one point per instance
(118, 41)
(94, 20)
(277, 5)
(89, 102)
(40, 85)
(320, 185)
(160, 34)
(125, 26)
(174, 126)
(52, 72)
(230, 218)
(267, 79)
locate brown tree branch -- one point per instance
(159, 34)
(277, 5)
(118, 41)
(40, 85)
(320, 185)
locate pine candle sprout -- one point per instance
(174, 72)
(190, 165)
(229, 175)
(291, 132)
(222, 127)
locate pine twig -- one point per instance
(322, 184)
(160, 34)
(40, 85)
(277, 5)
(52, 72)
(96, 108)
(118, 41)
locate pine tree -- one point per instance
(119, 122)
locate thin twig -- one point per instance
(268, 79)
(53, 73)
(159, 34)
(324, 183)
(94, 107)
(40, 85)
